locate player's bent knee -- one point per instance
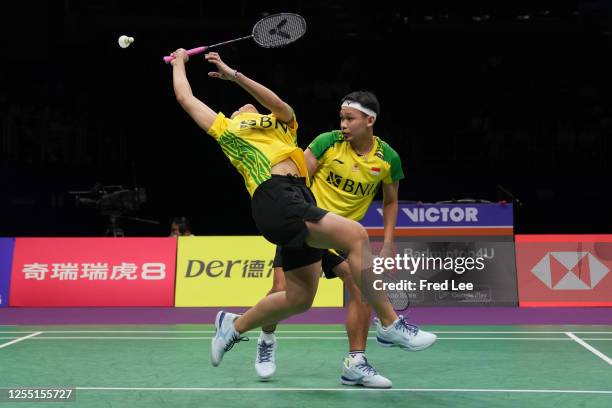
(275, 289)
(358, 235)
(361, 234)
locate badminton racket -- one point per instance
(273, 31)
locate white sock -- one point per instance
(356, 356)
(391, 325)
(267, 337)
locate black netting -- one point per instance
(279, 29)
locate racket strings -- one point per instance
(279, 30)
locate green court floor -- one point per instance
(169, 366)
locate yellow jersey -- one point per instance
(254, 143)
(346, 182)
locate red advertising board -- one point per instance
(564, 270)
(93, 272)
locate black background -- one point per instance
(473, 96)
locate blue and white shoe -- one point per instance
(265, 364)
(361, 372)
(404, 335)
(225, 336)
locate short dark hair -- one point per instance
(183, 224)
(366, 98)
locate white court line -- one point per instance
(292, 338)
(590, 348)
(518, 332)
(262, 389)
(20, 339)
(301, 331)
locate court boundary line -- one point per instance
(304, 331)
(17, 340)
(295, 389)
(298, 338)
(589, 347)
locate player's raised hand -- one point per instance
(179, 55)
(223, 70)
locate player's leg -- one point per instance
(333, 231)
(265, 358)
(279, 207)
(278, 283)
(356, 369)
(301, 287)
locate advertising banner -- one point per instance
(455, 219)
(234, 271)
(93, 272)
(6, 255)
(564, 270)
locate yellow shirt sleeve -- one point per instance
(295, 124)
(219, 125)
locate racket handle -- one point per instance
(168, 59)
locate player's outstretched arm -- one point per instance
(198, 110)
(265, 96)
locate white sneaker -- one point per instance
(362, 373)
(401, 334)
(265, 364)
(225, 336)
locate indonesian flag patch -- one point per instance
(375, 171)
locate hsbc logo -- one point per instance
(570, 270)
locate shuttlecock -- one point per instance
(125, 41)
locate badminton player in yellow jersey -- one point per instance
(263, 148)
(347, 166)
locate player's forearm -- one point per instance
(390, 209)
(312, 164)
(262, 94)
(182, 89)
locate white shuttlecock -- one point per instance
(125, 41)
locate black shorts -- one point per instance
(280, 208)
(328, 262)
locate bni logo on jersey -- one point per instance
(570, 270)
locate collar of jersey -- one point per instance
(247, 115)
(370, 154)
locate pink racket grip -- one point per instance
(168, 59)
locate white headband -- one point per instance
(356, 105)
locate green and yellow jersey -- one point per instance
(346, 182)
(254, 143)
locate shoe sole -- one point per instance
(265, 377)
(218, 320)
(408, 348)
(346, 381)
(268, 378)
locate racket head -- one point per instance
(278, 30)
